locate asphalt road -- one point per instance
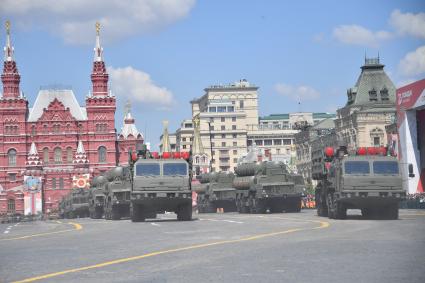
(296, 247)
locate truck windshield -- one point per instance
(357, 167)
(385, 167)
(146, 169)
(175, 169)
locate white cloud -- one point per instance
(358, 35)
(74, 20)
(139, 87)
(408, 23)
(413, 63)
(297, 93)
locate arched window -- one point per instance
(384, 94)
(197, 159)
(61, 183)
(11, 206)
(45, 155)
(33, 131)
(11, 154)
(69, 155)
(53, 183)
(58, 155)
(102, 154)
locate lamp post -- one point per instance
(211, 151)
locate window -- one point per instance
(175, 169)
(12, 176)
(212, 136)
(234, 136)
(45, 129)
(101, 152)
(11, 154)
(58, 155)
(235, 152)
(385, 167)
(277, 142)
(45, 155)
(267, 142)
(221, 109)
(184, 139)
(223, 128)
(235, 160)
(33, 132)
(230, 109)
(241, 104)
(223, 136)
(233, 127)
(384, 95)
(212, 152)
(286, 141)
(235, 143)
(249, 142)
(372, 95)
(223, 119)
(223, 144)
(54, 183)
(56, 128)
(212, 128)
(145, 169)
(212, 109)
(184, 146)
(357, 167)
(69, 155)
(376, 141)
(11, 206)
(259, 142)
(61, 183)
(212, 144)
(233, 119)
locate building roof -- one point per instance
(327, 123)
(323, 115)
(65, 96)
(275, 117)
(129, 128)
(372, 77)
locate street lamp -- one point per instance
(211, 151)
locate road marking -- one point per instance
(6, 232)
(220, 220)
(76, 227)
(323, 224)
(155, 224)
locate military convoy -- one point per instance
(75, 204)
(368, 180)
(216, 191)
(117, 193)
(159, 184)
(265, 186)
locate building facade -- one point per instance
(57, 141)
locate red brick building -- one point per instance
(57, 141)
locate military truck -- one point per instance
(97, 197)
(265, 186)
(159, 184)
(218, 192)
(367, 179)
(117, 193)
(75, 204)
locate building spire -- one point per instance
(197, 147)
(166, 147)
(99, 76)
(10, 76)
(98, 50)
(8, 49)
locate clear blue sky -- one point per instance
(164, 53)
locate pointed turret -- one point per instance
(99, 76)
(197, 147)
(80, 155)
(33, 159)
(166, 147)
(129, 128)
(10, 76)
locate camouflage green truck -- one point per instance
(75, 204)
(368, 180)
(117, 193)
(218, 192)
(265, 186)
(160, 184)
(97, 197)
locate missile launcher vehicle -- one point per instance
(265, 186)
(117, 193)
(97, 197)
(75, 204)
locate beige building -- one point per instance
(370, 107)
(225, 111)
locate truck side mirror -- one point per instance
(411, 174)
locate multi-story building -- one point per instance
(225, 111)
(184, 136)
(370, 107)
(56, 141)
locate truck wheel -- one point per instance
(390, 212)
(340, 211)
(115, 214)
(366, 213)
(136, 213)
(185, 212)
